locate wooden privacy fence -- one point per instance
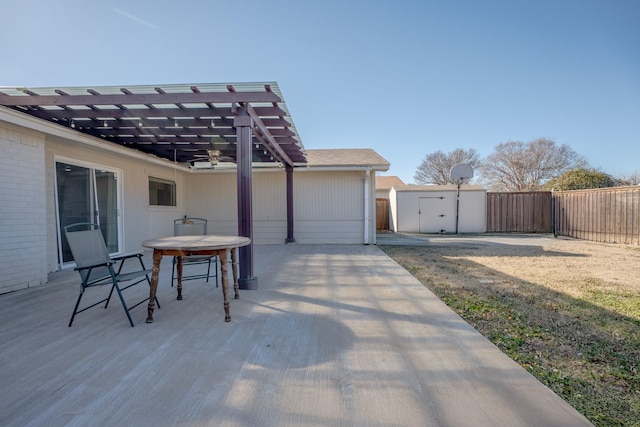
(382, 214)
(521, 212)
(609, 215)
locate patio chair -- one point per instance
(193, 227)
(96, 267)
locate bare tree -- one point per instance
(519, 166)
(436, 166)
(631, 179)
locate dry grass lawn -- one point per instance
(566, 310)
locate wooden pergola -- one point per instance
(196, 125)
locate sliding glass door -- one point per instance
(85, 193)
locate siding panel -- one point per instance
(318, 207)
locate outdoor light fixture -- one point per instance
(175, 124)
(104, 124)
(213, 124)
(140, 123)
(73, 124)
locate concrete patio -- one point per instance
(335, 335)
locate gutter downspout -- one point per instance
(366, 205)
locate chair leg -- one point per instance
(173, 271)
(75, 309)
(215, 261)
(124, 305)
(109, 297)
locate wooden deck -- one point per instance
(335, 335)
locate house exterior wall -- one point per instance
(324, 215)
(213, 196)
(23, 213)
(329, 205)
(321, 214)
(434, 211)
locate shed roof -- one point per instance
(464, 187)
(184, 123)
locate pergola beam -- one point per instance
(119, 113)
(156, 129)
(143, 99)
(268, 136)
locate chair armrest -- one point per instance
(89, 267)
(126, 256)
(123, 258)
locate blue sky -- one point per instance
(405, 78)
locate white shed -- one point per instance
(435, 209)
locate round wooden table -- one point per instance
(180, 246)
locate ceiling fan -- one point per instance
(213, 156)
(209, 157)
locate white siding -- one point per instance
(329, 207)
(473, 212)
(382, 194)
(23, 214)
(213, 196)
(270, 207)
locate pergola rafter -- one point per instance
(177, 122)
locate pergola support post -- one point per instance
(242, 123)
(289, 172)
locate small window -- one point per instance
(162, 192)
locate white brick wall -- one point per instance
(23, 228)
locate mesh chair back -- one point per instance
(88, 248)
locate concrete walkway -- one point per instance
(335, 335)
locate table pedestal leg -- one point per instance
(234, 269)
(179, 269)
(153, 286)
(225, 283)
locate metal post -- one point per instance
(289, 171)
(242, 123)
(457, 207)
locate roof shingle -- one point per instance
(347, 157)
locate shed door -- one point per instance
(434, 215)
